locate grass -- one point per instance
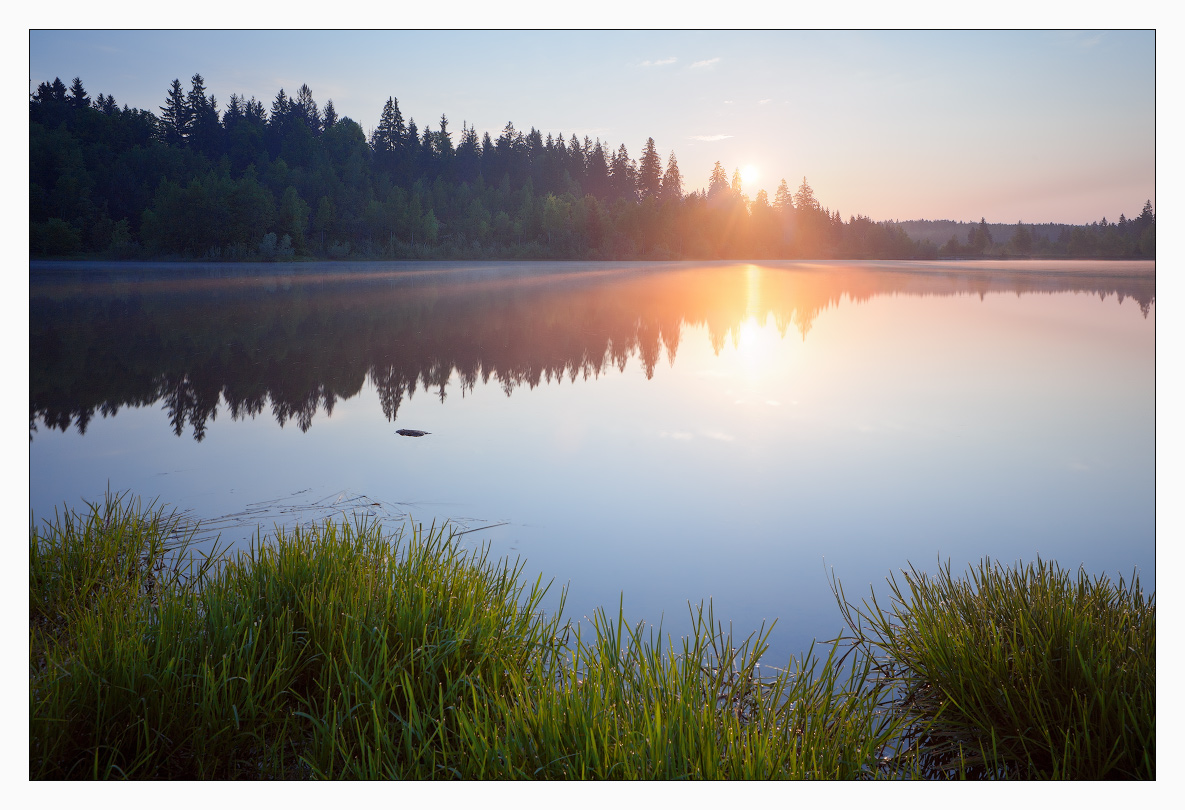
(342, 651)
(1027, 672)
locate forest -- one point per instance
(297, 181)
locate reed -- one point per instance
(1025, 672)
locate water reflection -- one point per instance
(297, 342)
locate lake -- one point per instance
(649, 433)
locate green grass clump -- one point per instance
(339, 651)
(1024, 672)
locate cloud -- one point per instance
(765, 101)
(706, 62)
(717, 435)
(678, 435)
(709, 137)
(1090, 42)
(670, 60)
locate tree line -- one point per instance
(295, 179)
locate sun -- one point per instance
(749, 174)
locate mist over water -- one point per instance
(672, 432)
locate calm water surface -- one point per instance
(658, 433)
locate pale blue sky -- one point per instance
(1039, 126)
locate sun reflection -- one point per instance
(753, 290)
(756, 346)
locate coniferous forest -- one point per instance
(296, 180)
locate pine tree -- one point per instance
(329, 116)
(468, 154)
(254, 111)
(78, 96)
(106, 104)
(204, 132)
(306, 108)
(650, 171)
(575, 163)
(718, 182)
(390, 134)
(783, 202)
(175, 116)
(737, 184)
(1146, 217)
(44, 94)
(1022, 239)
(196, 98)
(597, 171)
(427, 152)
(804, 198)
(281, 107)
(672, 181)
(979, 237)
(444, 140)
(623, 175)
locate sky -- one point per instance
(1039, 126)
(1031, 125)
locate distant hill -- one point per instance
(939, 231)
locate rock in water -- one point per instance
(406, 432)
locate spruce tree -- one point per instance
(575, 164)
(281, 106)
(597, 171)
(328, 116)
(804, 198)
(205, 134)
(623, 175)
(444, 139)
(388, 135)
(44, 94)
(196, 98)
(234, 111)
(718, 182)
(307, 108)
(650, 171)
(254, 112)
(78, 96)
(174, 119)
(672, 181)
(783, 202)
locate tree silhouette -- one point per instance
(124, 183)
(78, 97)
(717, 182)
(175, 115)
(650, 171)
(672, 181)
